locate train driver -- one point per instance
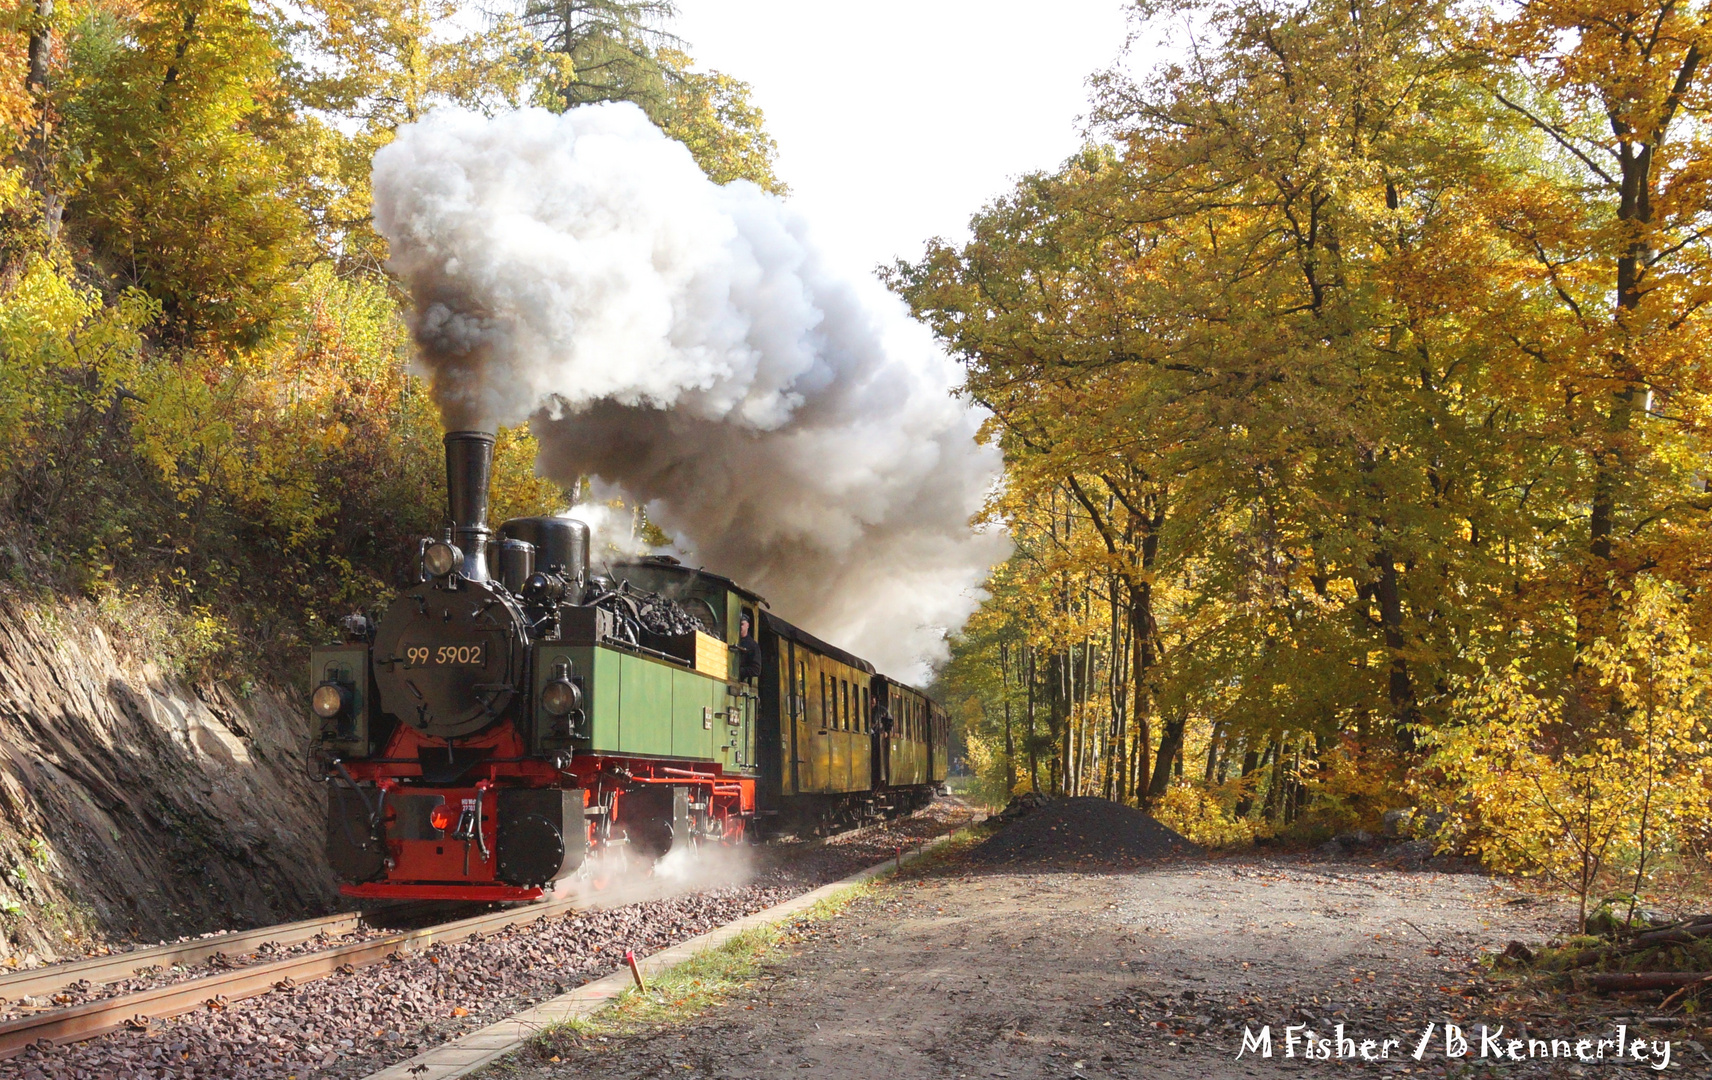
(748, 651)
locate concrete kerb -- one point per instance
(484, 1046)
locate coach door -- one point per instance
(796, 739)
(878, 735)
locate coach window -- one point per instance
(824, 717)
(844, 685)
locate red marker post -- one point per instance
(635, 972)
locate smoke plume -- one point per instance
(685, 343)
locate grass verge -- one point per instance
(679, 993)
(713, 977)
(954, 847)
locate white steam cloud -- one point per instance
(684, 343)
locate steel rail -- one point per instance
(115, 966)
(101, 1017)
(101, 970)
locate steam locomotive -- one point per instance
(511, 715)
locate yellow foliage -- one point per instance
(1355, 784)
(1207, 816)
(1602, 791)
(62, 346)
(518, 489)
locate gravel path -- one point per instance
(352, 1024)
(976, 971)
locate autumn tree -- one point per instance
(712, 114)
(173, 187)
(623, 50)
(362, 68)
(1613, 235)
(613, 49)
(1205, 336)
(206, 383)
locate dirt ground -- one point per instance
(964, 972)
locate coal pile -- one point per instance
(1080, 832)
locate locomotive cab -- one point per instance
(716, 602)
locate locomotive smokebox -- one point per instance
(469, 468)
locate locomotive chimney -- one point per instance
(469, 466)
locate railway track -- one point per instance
(137, 1010)
(101, 970)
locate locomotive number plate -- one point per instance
(470, 655)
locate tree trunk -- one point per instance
(1275, 784)
(1033, 755)
(40, 52)
(1087, 765)
(1251, 761)
(1400, 690)
(1117, 681)
(1170, 746)
(1072, 745)
(1005, 696)
(1141, 665)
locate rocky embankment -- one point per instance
(133, 807)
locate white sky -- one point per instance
(897, 119)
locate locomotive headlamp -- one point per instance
(559, 695)
(441, 558)
(330, 700)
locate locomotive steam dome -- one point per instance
(449, 662)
